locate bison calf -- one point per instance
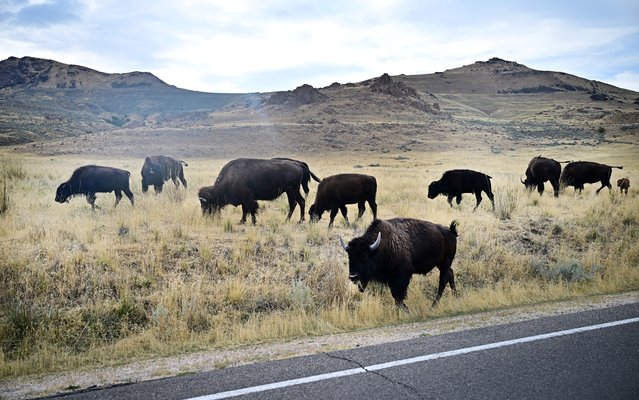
(623, 184)
(391, 251)
(158, 169)
(457, 181)
(335, 192)
(91, 179)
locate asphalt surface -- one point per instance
(601, 363)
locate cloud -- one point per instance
(626, 80)
(247, 45)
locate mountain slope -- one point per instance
(44, 99)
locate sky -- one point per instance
(241, 46)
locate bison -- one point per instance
(158, 169)
(91, 179)
(334, 192)
(307, 173)
(578, 173)
(540, 170)
(457, 181)
(623, 184)
(391, 251)
(245, 180)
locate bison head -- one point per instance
(314, 214)
(360, 253)
(527, 183)
(63, 193)
(434, 189)
(209, 202)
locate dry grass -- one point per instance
(83, 287)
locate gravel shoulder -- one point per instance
(35, 386)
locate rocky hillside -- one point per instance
(44, 99)
(494, 104)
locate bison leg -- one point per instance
(458, 199)
(555, 187)
(478, 198)
(451, 281)
(540, 188)
(450, 200)
(118, 197)
(302, 203)
(332, 216)
(373, 206)
(344, 211)
(91, 200)
(361, 209)
(145, 186)
(245, 211)
(158, 187)
(129, 194)
(444, 278)
(603, 185)
(398, 288)
(182, 178)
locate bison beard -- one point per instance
(391, 251)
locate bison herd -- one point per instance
(389, 252)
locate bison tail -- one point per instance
(620, 167)
(315, 178)
(184, 163)
(453, 227)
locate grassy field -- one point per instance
(82, 288)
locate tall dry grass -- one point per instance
(84, 287)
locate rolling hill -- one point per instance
(496, 104)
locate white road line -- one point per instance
(378, 367)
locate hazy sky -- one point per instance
(264, 45)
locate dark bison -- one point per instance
(391, 251)
(91, 179)
(334, 192)
(307, 173)
(578, 173)
(246, 180)
(540, 170)
(457, 181)
(623, 184)
(158, 169)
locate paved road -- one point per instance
(586, 355)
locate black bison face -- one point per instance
(433, 190)
(312, 212)
(528, 184)
(209, 207)
(63, 193)
(360, 261)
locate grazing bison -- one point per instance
(159, 169)
(91, 179)
(457, 181)
(334, 192)
(578, 173)
(246, 180)
(623, 184)
(540, 170)
(307, 173)
(391, 251)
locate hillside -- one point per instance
(494, 104)
(44, 99)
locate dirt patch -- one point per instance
(27, 387)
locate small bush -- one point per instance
(570, 271)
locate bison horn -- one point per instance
(522, 181)
(375, 245)
(203, 200)
(342, 243)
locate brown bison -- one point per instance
(457, 181)
(540, 170)
(334, 192)
(391, 251)
(246, 180)
(578, 173)
(623, 184)
(158, 169)
(91, 179)
(307, 173)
